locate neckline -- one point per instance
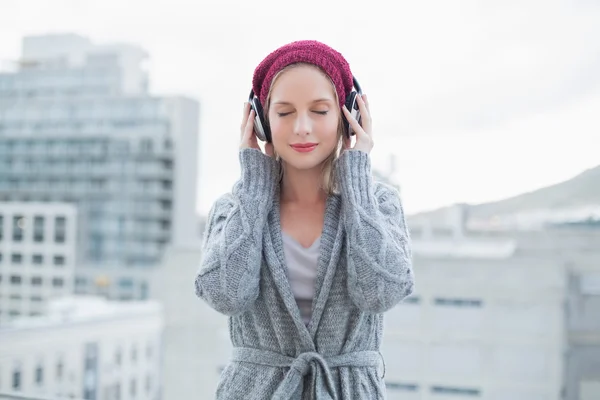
(293, 239)
(326, 265)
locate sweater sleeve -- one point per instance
(228, 277)
(380, 272)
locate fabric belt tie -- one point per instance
(309, 362)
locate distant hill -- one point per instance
(581, 190)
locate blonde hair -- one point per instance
(329, 182)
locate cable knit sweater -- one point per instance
(364, 270)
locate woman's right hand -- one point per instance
(249, 139)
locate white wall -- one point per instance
(486, 329)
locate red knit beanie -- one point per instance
(307, 51)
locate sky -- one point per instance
(477, 101)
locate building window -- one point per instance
(57, 282)
(18, 225)
(117, 391)
(59, 260)
(16, 258)
(146, 145)
(36, 281)
(59, 370)
(39, 375)
(458, 302)
(60, 225)
(405, 387)
(456, 391)
(143, 291)
(16, 379)
(90, 371)
(132, 387)
(38, 229)
(37, 259)
(126, 283)
(81, 281)
(412, 300)
(1, 227)
(15, 280)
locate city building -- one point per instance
(582, 369)
(196, 336)
(496, 314)
(84, 348)
(78, 125)
(37, 256)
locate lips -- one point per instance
(304, 147)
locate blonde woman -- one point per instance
(307, 252)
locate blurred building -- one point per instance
(582, 369)
(85, 348)
(78, 125)
(196, 336)
(114, 282)
(496, 315)
(37, 256)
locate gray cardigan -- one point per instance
(364, 269)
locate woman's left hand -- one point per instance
(364, 135)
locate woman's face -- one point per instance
(304, 116)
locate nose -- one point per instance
(303, 124)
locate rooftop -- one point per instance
(77, 309)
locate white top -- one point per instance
(302, 272)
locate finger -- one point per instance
(248, 129)
(365, 115)
(244, 117)
(353, 122)
(366, 100)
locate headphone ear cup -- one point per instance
(260, 126)
(352, 106)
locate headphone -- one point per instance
(263, 131)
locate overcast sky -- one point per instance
(478, 100)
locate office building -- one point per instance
(78, 125)
(85, 348)
(37, 256)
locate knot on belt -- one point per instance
(305, 363)
(302, 363)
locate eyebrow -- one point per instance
(321, 100)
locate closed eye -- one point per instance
(280, 114)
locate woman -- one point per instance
(307, 252)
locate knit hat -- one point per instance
(308, 51)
